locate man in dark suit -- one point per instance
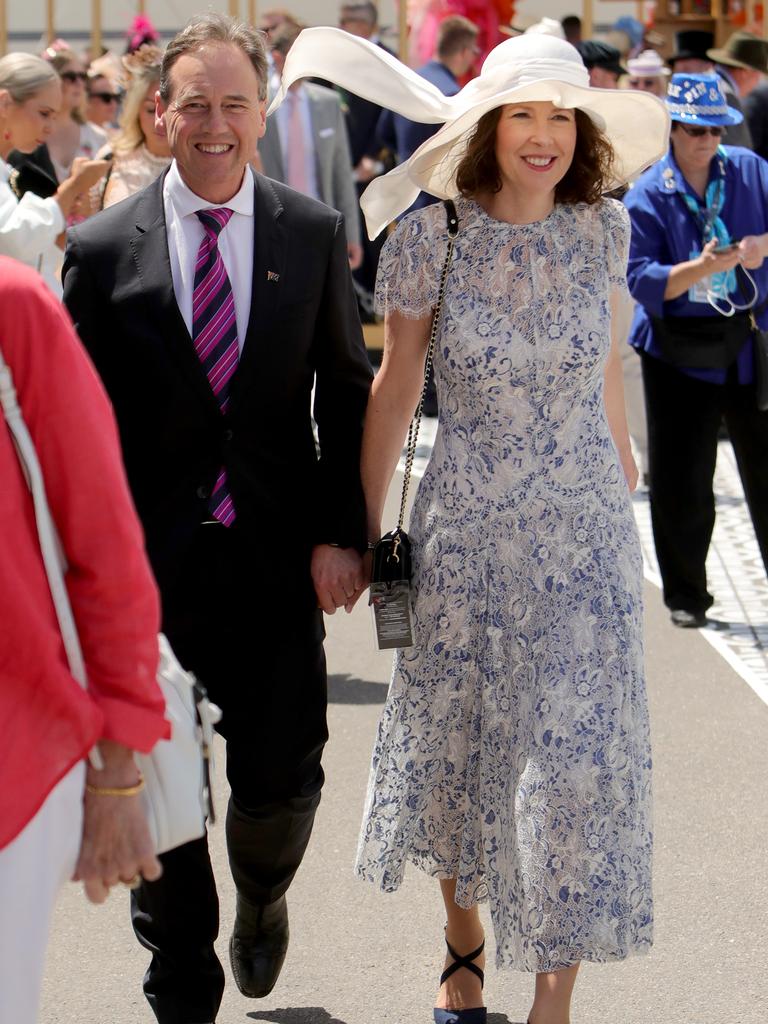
(370, 157)
(211, 303)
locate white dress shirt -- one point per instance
(29, 228)
(185, 233)
(298, 95)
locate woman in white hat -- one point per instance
(513, 760)
(648, 71)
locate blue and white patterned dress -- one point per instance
(513, 752)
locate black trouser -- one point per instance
(684, 416)
(254, 637)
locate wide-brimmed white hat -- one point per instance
(524, 69)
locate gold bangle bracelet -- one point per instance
(116, 790)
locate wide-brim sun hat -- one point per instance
(528, 68)
(700, 100)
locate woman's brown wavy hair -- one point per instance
(585, 181)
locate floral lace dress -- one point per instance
(513, 752)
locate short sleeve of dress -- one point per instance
(617, 231)
(408, 278)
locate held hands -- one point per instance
(116, 844)
(339, 577)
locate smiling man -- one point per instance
(211, 303)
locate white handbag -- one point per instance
(177, 791)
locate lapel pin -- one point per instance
(272, 276)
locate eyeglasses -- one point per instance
(105, 97)
(697, 132)
(74, 76)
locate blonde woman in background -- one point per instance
(32, 225)
(72, 136)
(139, 153)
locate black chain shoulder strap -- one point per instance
(413, 430)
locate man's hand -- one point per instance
(355, 255)
(337, 574)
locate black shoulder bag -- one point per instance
(391, 569)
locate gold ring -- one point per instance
(133, 883)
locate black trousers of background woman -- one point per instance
(684, 417)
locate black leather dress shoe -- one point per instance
(258, 945)
(688, 620)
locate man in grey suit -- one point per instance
(306, 145)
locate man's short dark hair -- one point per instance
(455, 34)
(215, 28)
(571, 25)
(360, 12)
(284, 36)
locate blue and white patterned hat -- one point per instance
(699, 99)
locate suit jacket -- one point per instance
(303, 330)
(362, 119)
(333, 162)
(756, 112)
(734, 134)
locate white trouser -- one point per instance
(33, 868)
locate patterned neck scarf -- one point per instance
(708, 218)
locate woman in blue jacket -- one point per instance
(699, 241)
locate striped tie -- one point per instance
(214, 334)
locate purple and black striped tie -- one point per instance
(214, 334)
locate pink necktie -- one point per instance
(297, 167)
(214, 334)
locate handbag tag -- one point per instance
(390, 593)
(391, 604)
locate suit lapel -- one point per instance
(149, 246)
(269, 252)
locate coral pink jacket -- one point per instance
(47, 722)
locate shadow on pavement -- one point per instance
(346, 689)
(296, 1015)
(501, 1018)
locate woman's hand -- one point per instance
(751, 251)
(86, 173)
(116, 844)
(712, 262)
(629, 466)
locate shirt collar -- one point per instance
(670, 179)
(186, 203)
(5, 171)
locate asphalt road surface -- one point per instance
(358, 956)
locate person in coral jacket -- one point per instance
(51, 828)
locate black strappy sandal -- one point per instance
(476, 1015)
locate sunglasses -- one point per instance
(698, 133)
(105, 97)
(74, 76)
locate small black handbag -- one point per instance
(391, 565)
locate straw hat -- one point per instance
(527, 68)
